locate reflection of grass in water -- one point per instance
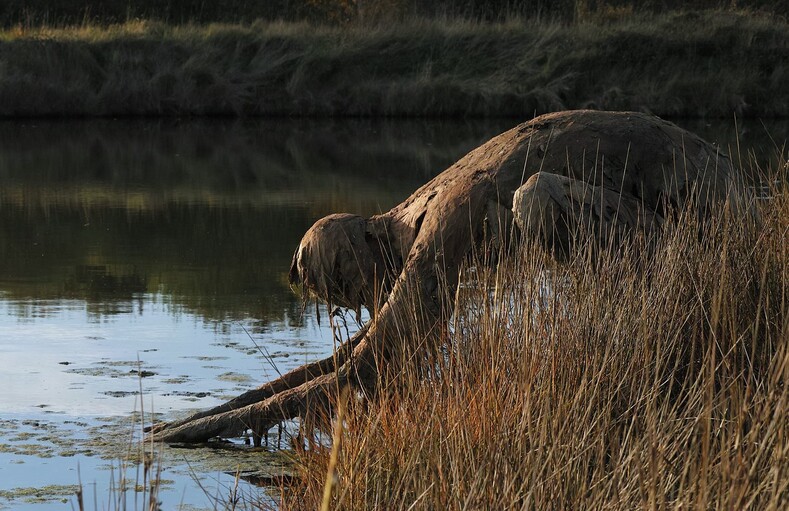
(144, 166)
(192, 257)
(206, 215)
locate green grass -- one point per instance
(636, 382)
(692, 64)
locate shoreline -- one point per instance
(679, 65)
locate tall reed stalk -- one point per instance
(620, 379)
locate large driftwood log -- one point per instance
(620, 171)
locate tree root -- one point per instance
(286, 397)
(259, 416)
(422, 243)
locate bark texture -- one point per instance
(619, 170)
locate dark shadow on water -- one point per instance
(205, 213)
(209, 213)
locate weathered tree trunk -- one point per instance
(259, 416)
(619, 170)
(314, 386)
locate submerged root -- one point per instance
(259, 416)
(259, 409)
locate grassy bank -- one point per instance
(68, 12)
(635, 383)
(692, 64)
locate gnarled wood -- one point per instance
(554, 209)
(406, 259)
(289, 380)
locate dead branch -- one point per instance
(623, 170)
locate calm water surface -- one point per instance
(162, 249)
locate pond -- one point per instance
(150, 258)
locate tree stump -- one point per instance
(621, 171)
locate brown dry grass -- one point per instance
(619, 382)
(707, 64)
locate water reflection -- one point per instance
(752, 144)
(164, 246)
(207, 213)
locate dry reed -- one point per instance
(628, 380)
(679, 64)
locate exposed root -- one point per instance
(259, 416)
(241, 413)
(620, 171)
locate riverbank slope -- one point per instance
(697, 64)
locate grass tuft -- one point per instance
(630, 380)
(709, 63)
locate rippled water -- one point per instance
(161, 250)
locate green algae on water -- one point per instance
(234, 377)
(40, 495)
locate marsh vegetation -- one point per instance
(607, 382)
(695, 64)
(615, 382)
